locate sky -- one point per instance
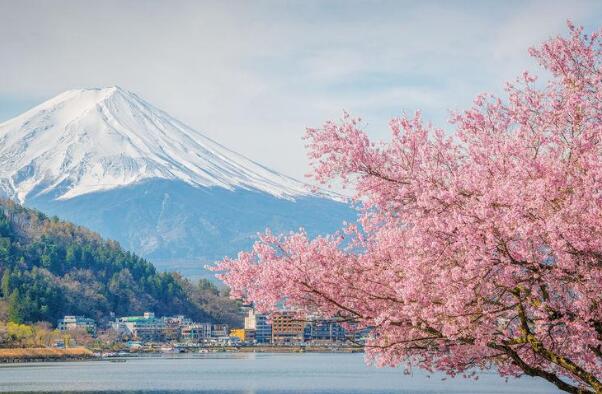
(253, 75)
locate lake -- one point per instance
(248, 373)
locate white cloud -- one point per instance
(253, 75)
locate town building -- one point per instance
(69, 323)
(169, 328)
(259, 323)
(281, 328)
(287, 329)
(196, 332)
(176, 321)
(174, 325)
(146, 327)
(219, 330)
(243, 334)
(206, 330)
(324, 331)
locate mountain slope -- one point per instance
(90, 140)
(108, 160)
(163, 219)
(50, 268)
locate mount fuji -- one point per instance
(109, 160)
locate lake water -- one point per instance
(248, 373)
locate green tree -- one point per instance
(5, 283)
(15, 307)
(50, 268)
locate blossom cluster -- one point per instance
(476, 248)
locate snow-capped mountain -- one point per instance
(108, 160)
(91, 140)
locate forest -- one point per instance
(50, 268)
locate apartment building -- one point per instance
(259, 323)
(287, 329)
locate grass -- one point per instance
(43, 353)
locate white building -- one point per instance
(141, 327)
(68, 323)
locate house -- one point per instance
(69, 323)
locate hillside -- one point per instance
(50, 268)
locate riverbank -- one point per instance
(16, 355)
(181, 348)
(44, 354)
(297, 349)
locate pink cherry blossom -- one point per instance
(476, 248)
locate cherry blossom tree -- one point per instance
(476, 248)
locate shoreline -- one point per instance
(31, 355)
(297, 349)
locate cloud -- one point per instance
(253, 75)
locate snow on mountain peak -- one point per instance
(88, 140)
